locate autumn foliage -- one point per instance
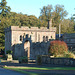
(57, 47)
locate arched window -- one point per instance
(20, 37)
(51, 37)
(46, 38)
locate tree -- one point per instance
(4, 12)
(3, 8)
(2, 37)
(57, 15)
(46, 14)
(67, 26)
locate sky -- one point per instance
(32, 7)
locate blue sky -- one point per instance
(32, 7)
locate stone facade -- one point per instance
(34, 40)
(69, 39)
(57, 61)
(30, 49)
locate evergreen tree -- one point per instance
(3, 8)
(4, 12)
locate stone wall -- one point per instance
(7, 40)
(58, 61)
(17, 51)
(39, 49)
(35, 49)
(70, 40)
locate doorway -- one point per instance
(27, 48)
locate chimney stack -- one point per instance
(49, 23)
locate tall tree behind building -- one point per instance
(57, 14)
(46, 14)
(4, 12)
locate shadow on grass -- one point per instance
(36, 70)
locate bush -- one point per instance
(23, 59)
(66, 55)
(8, 52)
(69, 55)
(39, 59)
(57, 48)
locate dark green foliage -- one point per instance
(39, 60)
(9, 52)
(15, 19)
(4, 9)
(23, 59)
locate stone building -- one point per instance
(25, 41)
(69, 38)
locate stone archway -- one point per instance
(27, 48)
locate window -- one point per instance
(46, 38)
(20, 37)
(51, 37)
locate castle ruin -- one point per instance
(25, 41)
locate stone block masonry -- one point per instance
(29, 42)
(58, 61)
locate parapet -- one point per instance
(24, 28)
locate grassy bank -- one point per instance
(22, 69)
(42, 68)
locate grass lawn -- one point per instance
(21, 69)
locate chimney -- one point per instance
(49, 23)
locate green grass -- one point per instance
(42, 68)
(22, 69)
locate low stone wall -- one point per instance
(58, 61)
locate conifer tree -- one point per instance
(3, 8)
(4, 12)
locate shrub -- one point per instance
(57, 47)
(23, 59)
(39, 59)
(69, 55)
(8, 52)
